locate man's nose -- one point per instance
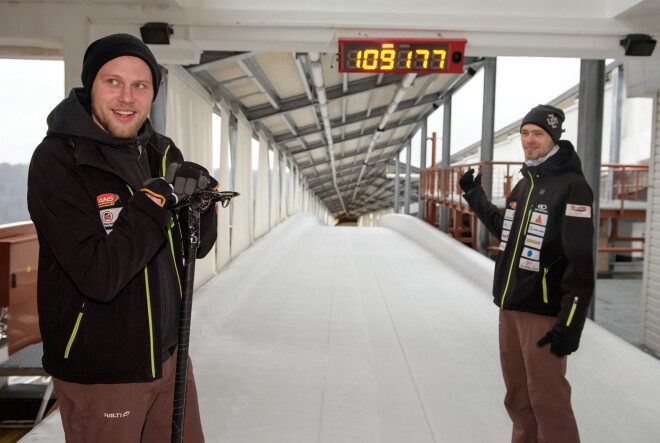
(126, 94)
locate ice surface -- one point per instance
(344, 334)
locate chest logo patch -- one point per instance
(578, 210)
(539, 218)
(105, 200)
(530, 265)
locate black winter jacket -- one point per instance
(545, 264)
(107, 253)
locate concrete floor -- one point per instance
(618, 306)
(319, 334)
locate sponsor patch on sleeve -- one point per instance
(507, 224)
(508, 214)
(108, 217)
(502, 245)
(505, 235)
(582, 211)
(530, 265)
(105, 200)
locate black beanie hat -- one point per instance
(547, 118)
(107, 48)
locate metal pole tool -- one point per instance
(194, 205)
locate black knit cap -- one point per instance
(547, 118)
(110, 47)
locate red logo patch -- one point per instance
(107, 200)
(513, 205)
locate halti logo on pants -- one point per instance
(116, 414)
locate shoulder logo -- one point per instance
(513, 205)
(573, 210)
(107, 200)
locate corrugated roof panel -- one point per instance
(280, 68)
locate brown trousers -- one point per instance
(129, 412)
(538, 396)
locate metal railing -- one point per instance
(620, 184)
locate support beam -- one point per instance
(487, 141)
(446, 157)
(422, 165)
(396, 186)
(335, 93)
(589, 139)
(406, 189)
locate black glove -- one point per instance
(187, 178)
(159, 188)
(559, 344)
(468, 182)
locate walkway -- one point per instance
(319, 334)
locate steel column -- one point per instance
(421, 213)
(446, 157)
(590, 137)
(487, 141)
(396, 185)
(406, 189)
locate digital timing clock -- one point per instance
(402, 56)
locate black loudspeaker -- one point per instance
(638, 44)
(156, 33)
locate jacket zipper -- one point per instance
(151, 326)
(526, 216)
(74, 332)
(545, 285)
(570, 316)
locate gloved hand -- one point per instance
(468, 182)
(160, 189)
(559, 344)
(187, 178)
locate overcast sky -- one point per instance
(30, 89)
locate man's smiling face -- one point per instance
(121, 96)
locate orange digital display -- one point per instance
(400, 56)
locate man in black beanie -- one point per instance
(544, 276)
(111, 252)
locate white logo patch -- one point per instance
(533, 241)
(539, 219)
(505, 235)
(108, 217)
(530, 265)
(536, 230)
(531, 254)
(507, 224)
(582, 211)
(508, 214)
(502, 245)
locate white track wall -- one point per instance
(261, 214)
(275, 190)
(189, 124)
(242, 224)
(223, 244)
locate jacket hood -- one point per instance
(72, 117)
(565, 160)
